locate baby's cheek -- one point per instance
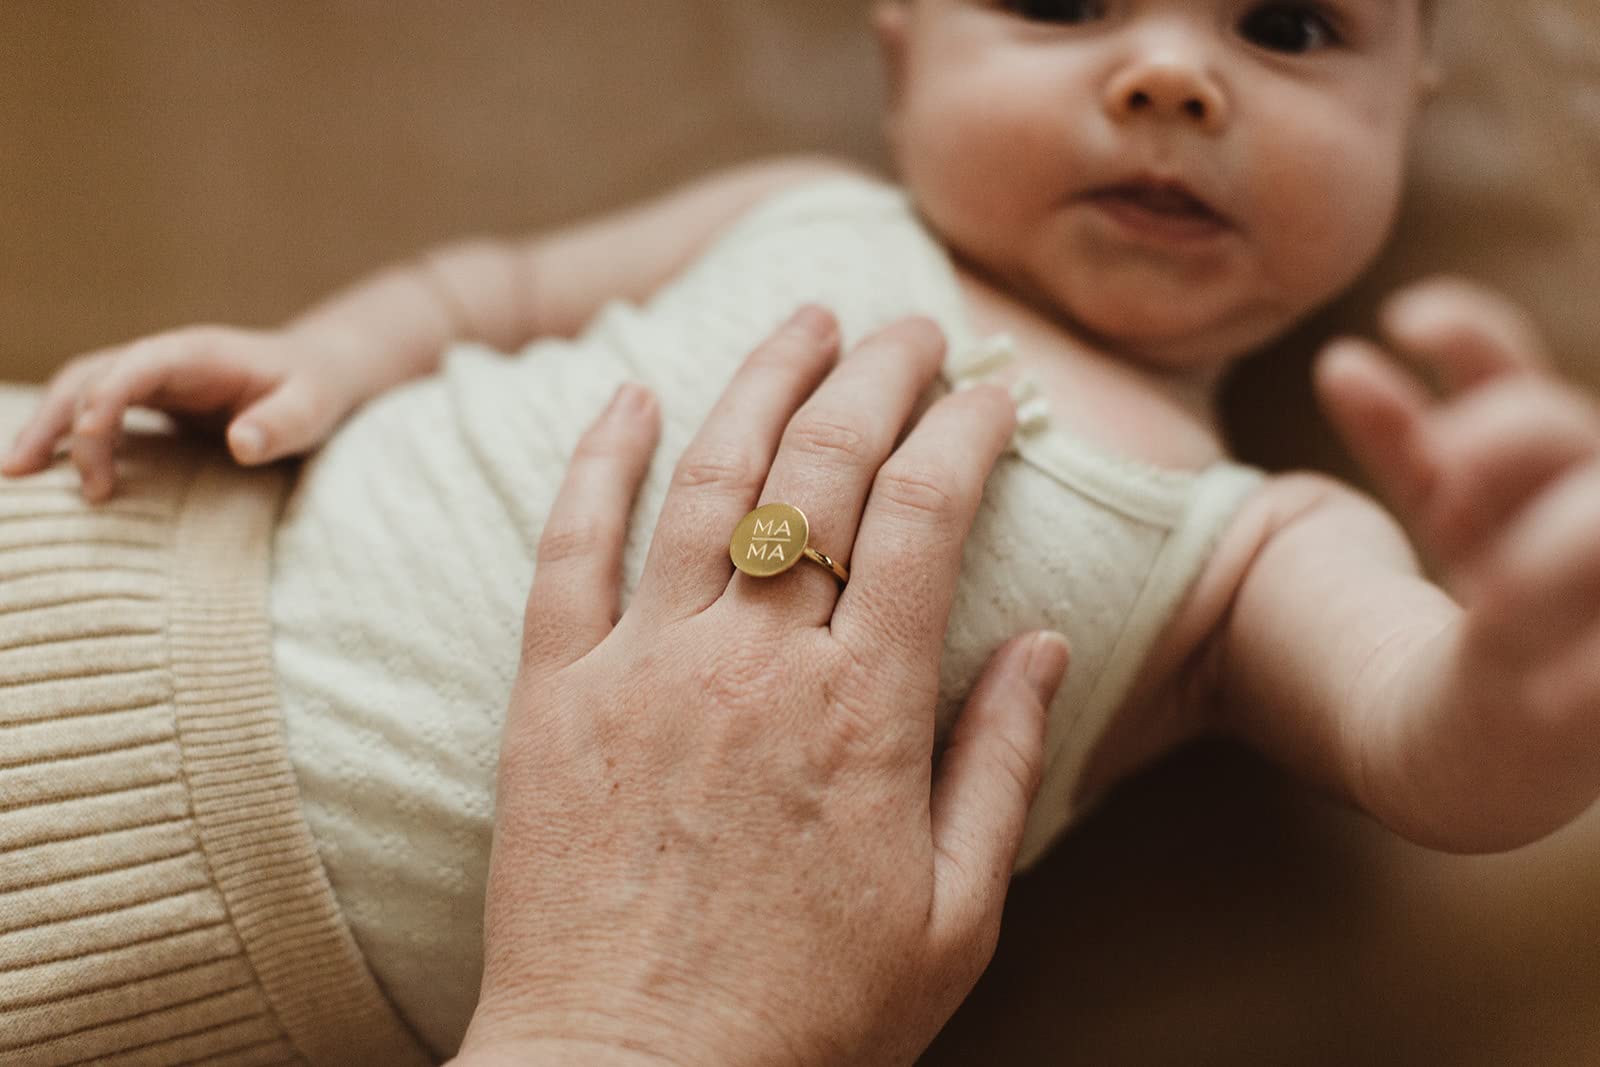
(979, 173)
(1323, 204)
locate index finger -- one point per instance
(908, 550)
(721, 472)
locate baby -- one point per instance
(1104, 203)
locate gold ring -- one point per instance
(773, 538)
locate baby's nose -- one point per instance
(1168, 88)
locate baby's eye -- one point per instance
(1293, 28)
(1063, 12)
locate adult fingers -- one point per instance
(988, 779)
(1465, 331)
(908, 551)
(720, 474)
(574, 599)
(832, 450)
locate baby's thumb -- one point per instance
(295, 417)
(990, 773)
(1379, 410)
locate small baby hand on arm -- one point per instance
(275, 392)
(1468, 720)
(282, 392)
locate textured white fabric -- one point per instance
(404, 560)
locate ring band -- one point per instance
(773, 538)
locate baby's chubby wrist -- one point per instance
(1462, 756)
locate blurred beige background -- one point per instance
(171, 161)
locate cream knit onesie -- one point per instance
(402, 564)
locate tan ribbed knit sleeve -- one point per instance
(161, 901)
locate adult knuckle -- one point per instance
(859, 728)
(829, 437)
(723, 468)
(919, 490)
(1022, 767)
(572, 539)
(737, 680)
(854, 723)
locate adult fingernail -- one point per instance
(248, 441)
(629, 400)
(815, 321)
(1046, 665)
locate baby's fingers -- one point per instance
(1540, 582)
(35, 443)
(1467, 332)
(173, 373)
(1380, 410)
(294, 417)
(1499, 448)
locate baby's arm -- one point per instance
(1467, 720)
(282, 391)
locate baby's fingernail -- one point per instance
(1418, 314)
(1046, 665)
(248, 441)
(1338, 356)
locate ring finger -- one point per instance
(831, 451)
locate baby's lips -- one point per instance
(1173, 199)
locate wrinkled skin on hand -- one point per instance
(721, 836)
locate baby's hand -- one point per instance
(1499, 478)
(278, 393)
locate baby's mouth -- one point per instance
(1159, 209)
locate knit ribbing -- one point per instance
(161, 901)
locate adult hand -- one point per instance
(720, 835)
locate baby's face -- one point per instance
(1176, 180)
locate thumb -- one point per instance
(989, 776)
(1380, 411)
(295, 417)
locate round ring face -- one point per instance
(769, 540)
